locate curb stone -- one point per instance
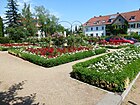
(114, 99)
(110, 99)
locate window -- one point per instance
(102, 34)
(94, 23)
(132, 25)
(119, 19)
(103, 21)
(96, 34)
(91, 34)
(91, 29)
(138, 25)
(102, 28)
(109, 20)
(86, 29)
(96, 28)
(132, 18)
(119, 26)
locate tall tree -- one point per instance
(12, 16)
(42, 15)
(48, 22)
(12, 21)
(28, 21)
(1, 28)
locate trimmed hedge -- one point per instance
(3, 48)
(55, 61)
(4, 40)
(116, 47)
(113, 82)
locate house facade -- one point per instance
(98, 26)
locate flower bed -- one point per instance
(5, 47)
(112, 72)
(116, 46)
(54, 60)
(55, 52)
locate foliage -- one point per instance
(116, 46)
(1, 28)
(12, 16)
(55, 61)
(58, 41)
(114, 29)
(16, 33)
(28, 22)
(112, 72)
(75, 40)
(4, 40)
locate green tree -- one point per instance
(43, 18)
(12, 16)
(12, 21)
(48, 23)
(28, 21)
(1, 28)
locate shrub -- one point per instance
(55, 61)
(111, 78)
(4, 40)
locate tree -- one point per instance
(12, 21)
(43, 18)
(1, 28)
(28, 22)
(48, 23)
(12, 16)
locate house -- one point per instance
(98, 26)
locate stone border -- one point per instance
(114, 99)
(124, 94)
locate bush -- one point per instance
(4, 40)
(116, 47)
(55, 61)
(116, 82)
(3, 48)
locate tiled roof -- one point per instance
(128, 15)
(133, 16)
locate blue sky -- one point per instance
(81, 10)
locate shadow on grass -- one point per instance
(10, 97)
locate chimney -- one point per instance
(94, 16)
(100, 15)
(117, 12)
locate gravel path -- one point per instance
(52, 86)
(133, 97)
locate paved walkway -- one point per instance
(133, 97)
(53, 86)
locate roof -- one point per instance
(129, 15)
(133, 16)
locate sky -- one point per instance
(78, 10)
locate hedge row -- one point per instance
(113, 82)
(3, 48)
(55, 61)
(116, 47)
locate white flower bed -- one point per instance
(116, 61)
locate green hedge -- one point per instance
(4, 40)
(55, 61)
(116, 47)
(3, 48)
(112, 82)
